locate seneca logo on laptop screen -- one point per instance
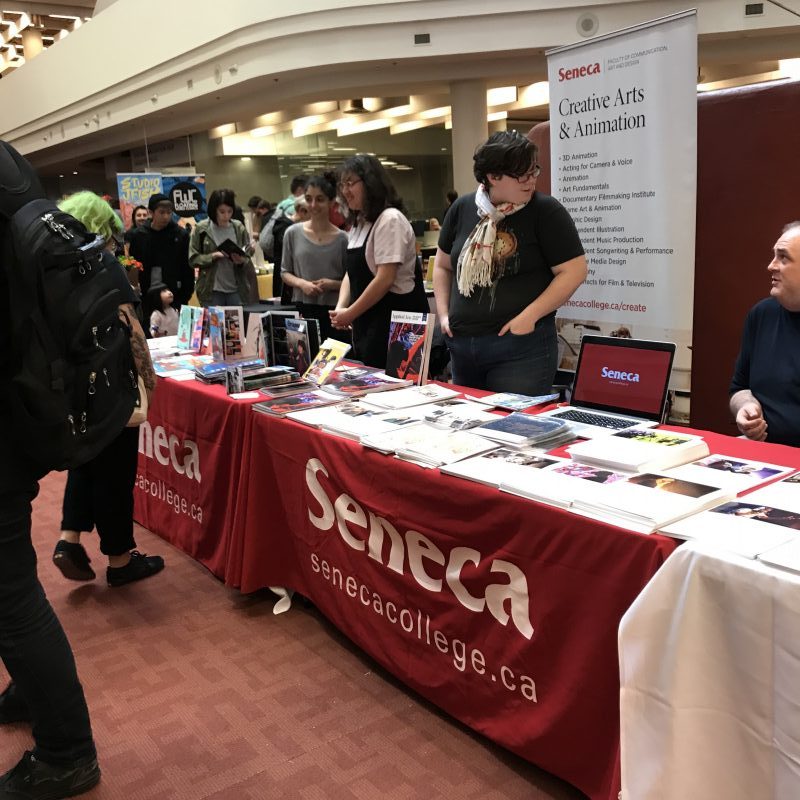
(622, 377)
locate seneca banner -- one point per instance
(623, 134)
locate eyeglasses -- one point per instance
(349, 183)
(527, 176)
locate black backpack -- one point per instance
(72, 382)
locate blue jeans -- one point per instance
(225, 299)
(33, 645)
(525, 364)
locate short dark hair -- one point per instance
(452, 196)
(264, 204)
(791, 226)
(298, 182)
(220, 197)
(326, 183)
(379, 190)
(254, 201)
(504, 153)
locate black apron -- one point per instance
(371, 329)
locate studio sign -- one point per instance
(366, 532)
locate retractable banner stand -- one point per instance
(623, 132)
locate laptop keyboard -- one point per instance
(594, 419)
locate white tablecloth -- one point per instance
(710, 682)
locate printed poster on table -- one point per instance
(623, 133)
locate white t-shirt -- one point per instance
(164, 323)
(393, 242)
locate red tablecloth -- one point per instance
(501, 611)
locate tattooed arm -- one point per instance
(141, 352)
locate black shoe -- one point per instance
(12, 707)
(32, 779)
(73, 562)
(140, 566)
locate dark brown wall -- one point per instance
(748, 187)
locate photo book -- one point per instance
(359, 381)
(560, 484)
(443, 446)
(330, 355)
(728, 472)
(352, 420)
(298, 344)
(648, 501)
(640, 450)
(276, 338)
(409, 351)
(226, 332)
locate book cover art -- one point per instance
(216, 332)
(524, 426)
(185, 318)
(196, 333)
(278, 347)
(330, 354)
(298, 344)
(233, 340)
(409, 346)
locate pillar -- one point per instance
(468, 104)
(31, 43)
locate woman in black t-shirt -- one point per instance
(508, 258)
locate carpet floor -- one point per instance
(197, 692)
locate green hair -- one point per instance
(94, 212)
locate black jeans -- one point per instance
(100, 494)
(33, 645)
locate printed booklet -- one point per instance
(281, 406)
(443, 446)
(190, 328)
(409, 353)
(330, 354)
(412, 396)
(509, 401)
(728, 472)
(742, 526)
(640, 450)
(353, 420)
(497, 466)
(525, 429)
(649, 501)
(357, 382)
(560, 484)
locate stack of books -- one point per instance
(526, 430)
(354, 420)
(412, 396)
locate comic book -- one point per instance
(409, 351)
(330, 354)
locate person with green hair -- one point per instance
(100, 494)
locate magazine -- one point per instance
(443, 446)
(518, 428)
(640, 450)
(456, 414)
(330, 355)
(281, 406)
(233, 336)
(409, 351)
(353, 420)
(359, 385)
(216, 332)
(276, 337)
(189, 319)
(510, 401)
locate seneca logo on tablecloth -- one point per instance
(348, 516)
(183, 456)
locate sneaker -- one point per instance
(140, 566)
(12, 707)
(73, 562)
(32, 779)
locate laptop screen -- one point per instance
(623, 376)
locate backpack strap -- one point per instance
(18, 181)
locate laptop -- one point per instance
(619, 384)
